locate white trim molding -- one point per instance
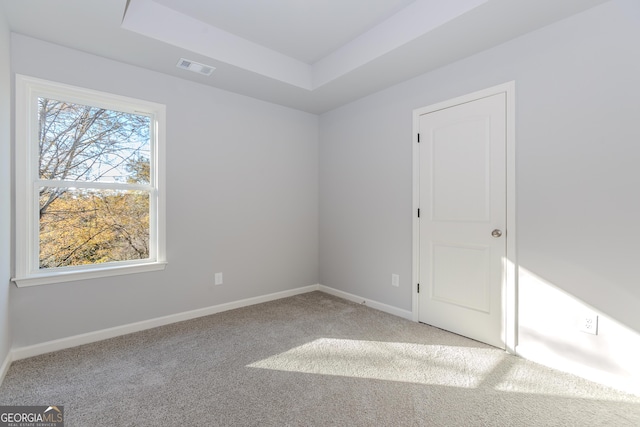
(406, 314)
(4, 368)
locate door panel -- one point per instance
(450, 282)
(462, 188)
(460, 171)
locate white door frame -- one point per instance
(510, 264)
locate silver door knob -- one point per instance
(496, 233)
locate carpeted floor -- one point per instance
(308, 360)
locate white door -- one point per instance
(462, 236)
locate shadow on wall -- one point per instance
(551, 333)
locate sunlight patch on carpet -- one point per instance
(390, 361)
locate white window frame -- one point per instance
(27, 271)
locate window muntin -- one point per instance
(92, 183)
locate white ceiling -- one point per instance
(313, 55)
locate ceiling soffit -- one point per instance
(159, 22)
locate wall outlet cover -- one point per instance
(395, 280)
(589, 323)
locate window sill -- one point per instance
(67, 276)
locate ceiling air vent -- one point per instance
(196, 67)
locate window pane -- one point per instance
(84, 143)
(80, 226)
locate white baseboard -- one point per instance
(90, 337)
(625, 383)
(74, 341)
(406, 314)
(4, 368)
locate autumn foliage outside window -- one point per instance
(94, 194)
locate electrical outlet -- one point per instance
(589, 323)
(395, 280)
(218, 279)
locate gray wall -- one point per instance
(5, 189)
(577, 138)
(242, 199)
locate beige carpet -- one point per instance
(308, 360)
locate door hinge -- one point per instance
(418, 138)
(418, 287)
(418, 212)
